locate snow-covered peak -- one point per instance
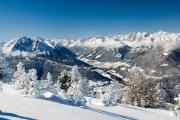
(134, 40)
(93, 42)
(108, 42)
(25, 44)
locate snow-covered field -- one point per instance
(16, 107)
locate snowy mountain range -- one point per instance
(44, 55)
(101, 60)
(118, 46)
(134, 40)
(118, 53)
(112, 55)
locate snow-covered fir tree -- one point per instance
(26, 84)
(160, 95)
(75, 74)
(19, 77)
(112, 93)
(177, 106)
(48, 82)
(79, 87)
(33, 83)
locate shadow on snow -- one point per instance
(57, 99)
(121, 117)
(13, 115)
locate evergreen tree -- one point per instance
(112, 94)
(160, 95)
(19, 76)
(79, 87)
(48, 82)
(75, 74)
(26, 84)
(64, 81)
(33, 83)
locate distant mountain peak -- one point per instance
(24, 44)
(135, 39)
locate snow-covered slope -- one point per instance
(16, 107)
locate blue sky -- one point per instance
(83, 18)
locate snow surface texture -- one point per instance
(16, 107)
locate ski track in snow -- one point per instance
(16, 107)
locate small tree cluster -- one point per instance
(74, 85)
(28, 82)
(141, 91)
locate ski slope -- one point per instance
(16, 107)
